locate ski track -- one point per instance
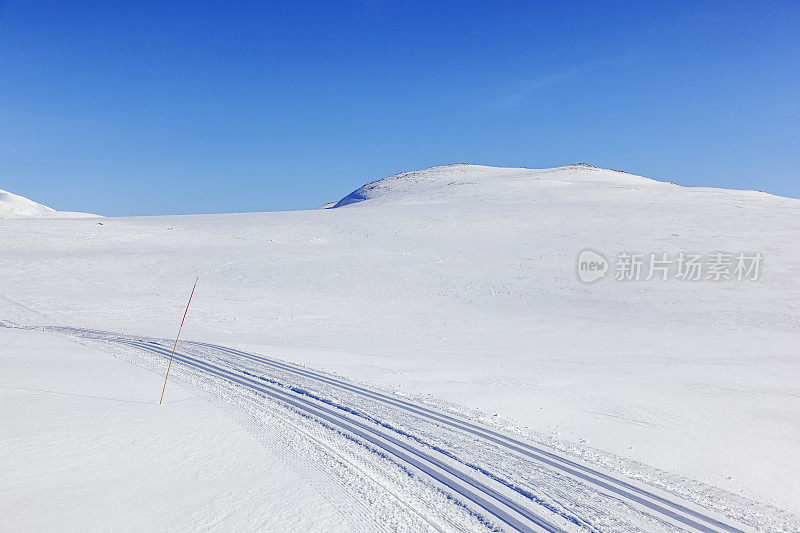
(501, 500)
(475, 491)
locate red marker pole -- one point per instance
(176, 341)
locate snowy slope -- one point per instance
(463, 182)
(86, 448)
(15, 206)
(457, 285)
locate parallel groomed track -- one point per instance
(460, 482)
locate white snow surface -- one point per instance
(456, 285)
(15, 206)
(87, 448)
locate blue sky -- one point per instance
(125, 108)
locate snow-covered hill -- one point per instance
(459, 284)
(463, 182)
(15, 206)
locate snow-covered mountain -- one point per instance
(15, 206)
(464, 184)
(455, 285)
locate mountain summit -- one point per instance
(461, 181)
